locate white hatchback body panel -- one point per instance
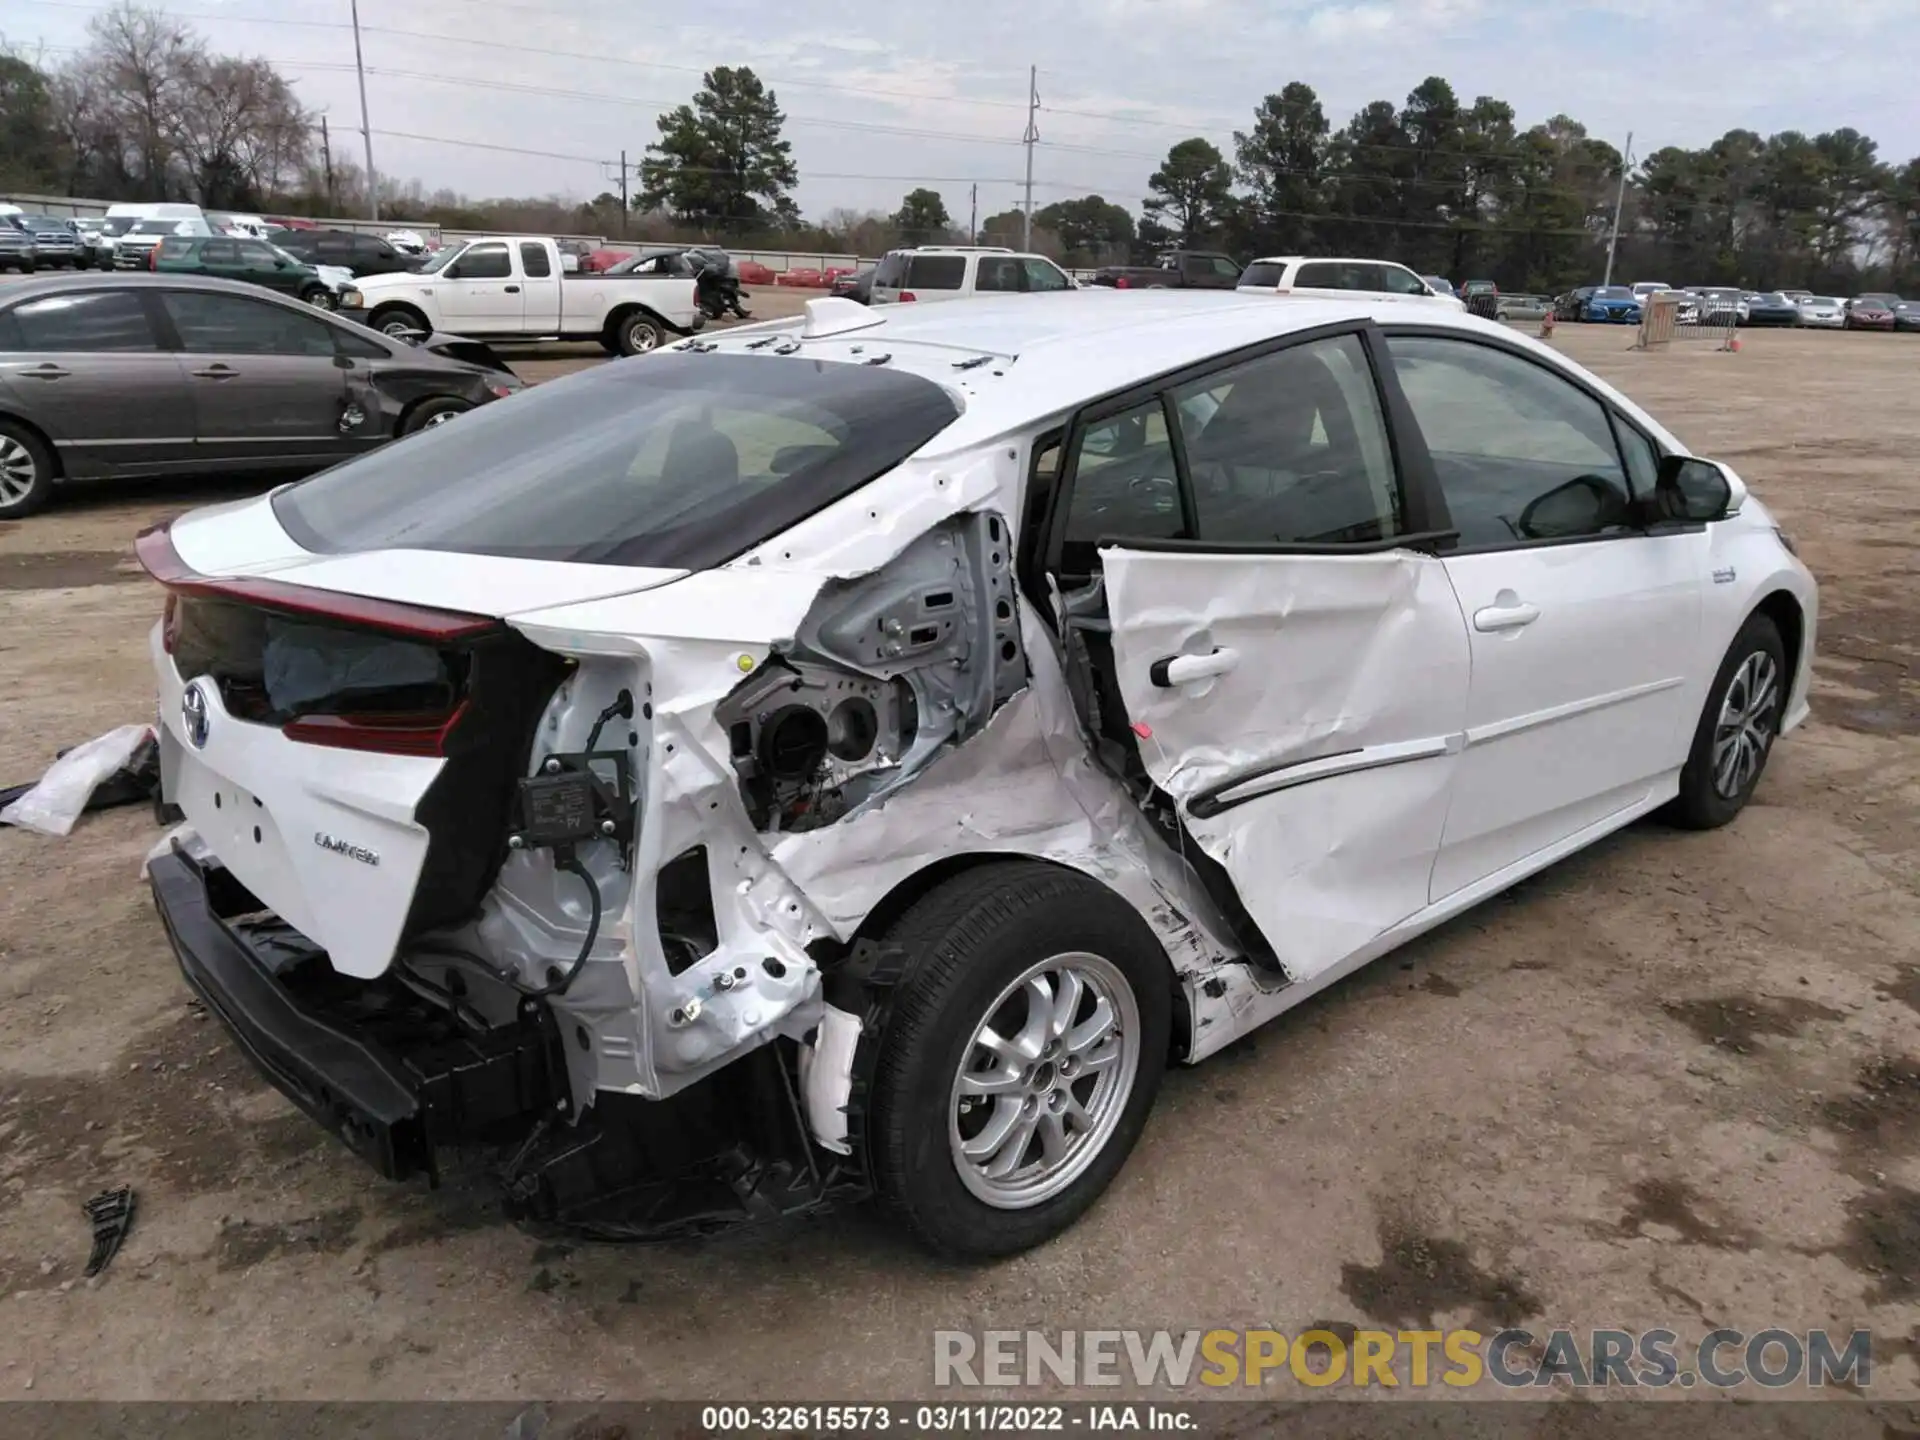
(1380, 750)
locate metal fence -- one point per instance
(1669, 315)
(1661, 322)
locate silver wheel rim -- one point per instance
(442, 418)
(641, 337)
(1745, 728)
(17, 471)
(397, 328)
(1044, 1080)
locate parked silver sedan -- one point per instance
(137, 375)
(1824, 312)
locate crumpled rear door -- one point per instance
(1306, 712)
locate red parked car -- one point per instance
(1867, 313)
(805, 279)
(752, 272)
(595, 262)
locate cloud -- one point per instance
(937, 94)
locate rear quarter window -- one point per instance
(937, 272)
(1263, 274)
(681, 462)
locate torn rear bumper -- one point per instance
(389, 1074)
(398, 1078)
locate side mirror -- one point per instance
(279, 264)
(1696, 490)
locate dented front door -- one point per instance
(1305, 711)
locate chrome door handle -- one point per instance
(217, 372)
(1505, 617)
(1185, 669)
(48, 371)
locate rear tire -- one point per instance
(1736, 732)
(1073, 1063)
(430, 413)
(26, 472)
(638, 335)
(319, 297)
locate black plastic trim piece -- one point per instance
(340, 1080)
(1428, 542)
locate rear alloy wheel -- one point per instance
(639, 335)
(1736, 731)
(429, 414)
(26, 472)
(1019, 1057)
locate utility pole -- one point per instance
(1030, 139)
(366, 129)
(326, 161)
(1619, 200)
(626, 203)
(973, 215)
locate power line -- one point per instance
(788, 83)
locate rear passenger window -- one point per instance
(533, 259)
(1521, 454)
(1291, 449)
(1323, 275)
(997, 273)
(98, 321)
(936, 272)
(212, 252)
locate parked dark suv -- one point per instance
(362, 254)
(229, 257)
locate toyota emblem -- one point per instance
(194, 715)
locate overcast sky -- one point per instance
(910, 94)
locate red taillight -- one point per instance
(1122, 283)
(384, 734)
(155, 551)
(908, 295)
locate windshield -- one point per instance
(1826, 300)
(283, 255)
(1613, 292)
(438, 260)
(680, 461)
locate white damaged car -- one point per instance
(855, 754)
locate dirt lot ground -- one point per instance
(1672, 1082)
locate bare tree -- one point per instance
(142, 64)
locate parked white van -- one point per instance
(953, 272)
(1319, 278)
(119, 219)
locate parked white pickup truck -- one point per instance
(508, 287)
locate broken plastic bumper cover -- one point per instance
(397, 1078)
(372, 1063)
